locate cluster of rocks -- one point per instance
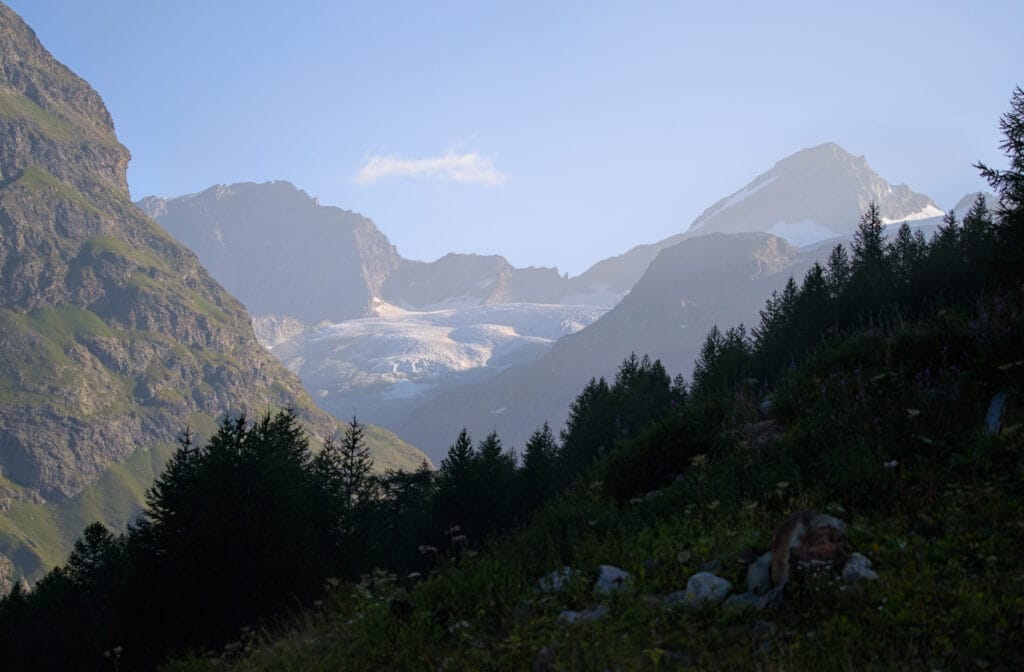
(806, 541)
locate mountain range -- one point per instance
(123, 323)
(115, 338)
(416, 340)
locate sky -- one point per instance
(553, 133)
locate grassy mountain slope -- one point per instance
(114, 337)
(944, 527)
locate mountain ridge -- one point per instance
(285, 254)
(114, 335)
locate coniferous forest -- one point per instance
(883, 387)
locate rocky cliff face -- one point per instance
(470, 280)
(815, 194)
(283, 254)
(113, 336)
(279, 251)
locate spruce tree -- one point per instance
(492, 505)
(538, 476)
(355, 464)
(1009, 188)
(838, 270)
(455, 484)
(869, 241)
(590, 429)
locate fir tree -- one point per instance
(838, 271)
(869, 241)
(538, 475)
(355, 463)
(1009, 187)
(590, 428)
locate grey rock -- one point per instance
(610, 579)
(706, 588)
(994, 417)
(765, 407)
(857, 569)
(556, 581)
(759, 575)
(572, 617)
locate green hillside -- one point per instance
(114, 336)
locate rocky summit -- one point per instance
(284, 254)
(115, 337)
(815, 194)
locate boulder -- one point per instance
(759, 575)
(994, 417)
(572, 617)
(705, 588)
(610, 579)
(807, 539)
(857, 569)
(556, 581)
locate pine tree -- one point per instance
(458, 463)
(707, 358)
(538, 475)
(871, 281)
(1009, 187)
(979, 241)
(169, 493)
(679, 390)
(456, 482)
(355, 464)
(905, 253)
(95, 555)
(839, 271)
(492, 504)
(947, 235)
(589, 430)
(869, 241)
(641, 394)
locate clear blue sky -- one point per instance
(555, 133)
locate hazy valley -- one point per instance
(403, 344)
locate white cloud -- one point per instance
(464, 168)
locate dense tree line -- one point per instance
(875, 281)
(252, 524)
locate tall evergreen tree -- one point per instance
(1009, 187)
(539, 477)
(869, 241)
(455, 483)
(492, 505)
(590, 429)
(356, 464)
(838, 270)
(641, 393)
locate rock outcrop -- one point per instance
(114, 336)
